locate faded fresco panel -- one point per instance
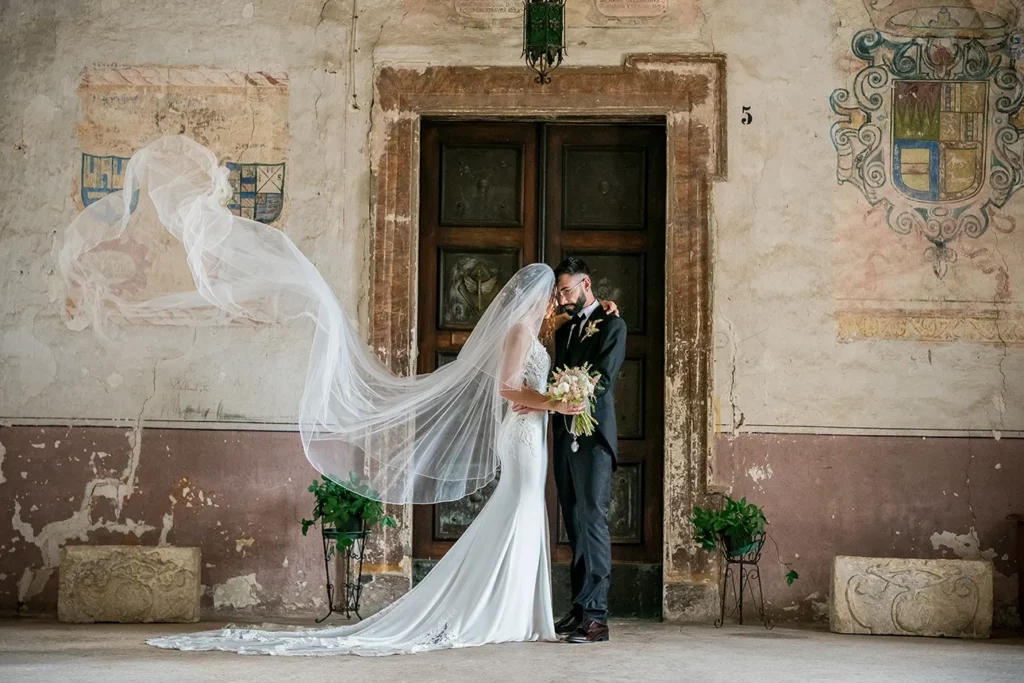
(242, 117)
(885, 287)
(632, 13)
(584, 13)
(929, 130)
(487, 12)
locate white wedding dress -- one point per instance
(493, 586)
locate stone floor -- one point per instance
(39, 650)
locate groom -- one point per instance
(584, 464)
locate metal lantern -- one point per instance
(543, 36)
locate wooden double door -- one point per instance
(495, 196)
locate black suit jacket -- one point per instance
(605, 351)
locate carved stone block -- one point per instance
(128, 584)
(885, 596)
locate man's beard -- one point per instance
(574, 307)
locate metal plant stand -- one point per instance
(353, 583)
(741, 567)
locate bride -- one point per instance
(425, 439)
(494, 585)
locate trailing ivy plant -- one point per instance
(345, 508)
(735, 527)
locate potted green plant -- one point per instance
(345, 515)
(344, 512)
(737, 528)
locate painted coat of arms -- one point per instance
(932, 127)
(102, 175)
(258, 189)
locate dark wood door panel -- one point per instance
(604, 186)
(482, 183)
(468, 281)
(605, 194)
(489, 200)
(478, 226)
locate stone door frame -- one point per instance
(687, 92)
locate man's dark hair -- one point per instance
(572, 266)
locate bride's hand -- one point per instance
(568, 408)
(610, 307)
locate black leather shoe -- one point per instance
(590, 631)
(568, 624)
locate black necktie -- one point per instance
(576, 329)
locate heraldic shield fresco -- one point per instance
(931, 131)
(241, 116)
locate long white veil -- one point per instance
(424, 439)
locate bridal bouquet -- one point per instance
(576, 386)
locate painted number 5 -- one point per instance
(748, 118)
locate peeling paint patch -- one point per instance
(237, 592)
(759, 474)
(819, 607)
(3, 452)
(242, 543)
(80, 524)
(192, 497)
(32, 582)
(168, 522)
(965, 546)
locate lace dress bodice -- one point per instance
(524, 433)
(535, 369)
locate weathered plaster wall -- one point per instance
(798, 255)
(878, 496)
(814, 292)
(263, 82)
(259, 85)
(237, 495)
(829, 322)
